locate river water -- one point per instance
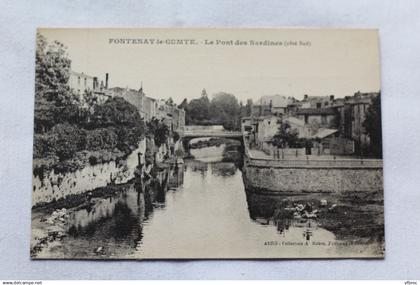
(198, 209)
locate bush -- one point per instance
(175, 136)
(104, 138)
(158, 130)
(93, 160)
(41, 146)
(64, 140)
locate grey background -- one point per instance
(399, 25)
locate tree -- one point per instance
(54, 101)
(116, 112)
(225, 110)
(199, 109)
(158, 130)
(64, 140)
(286, 136)
(373, 127)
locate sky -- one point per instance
(304, 61)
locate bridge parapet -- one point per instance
(224, 134)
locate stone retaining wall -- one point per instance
(307, 179)
(60, 185)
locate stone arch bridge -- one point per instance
(193, 132)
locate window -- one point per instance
(85, 82)
(324, 119)
(78, 80)
(318, 105)
(306, 119)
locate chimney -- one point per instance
(331, 97)
(106, 80)
(95, 82)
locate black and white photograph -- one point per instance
(207, 144)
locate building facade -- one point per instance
(272, 105)
(150, 108)
(321, 117)
(337, 123)
(82, 84)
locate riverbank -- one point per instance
(310, 174)
(350, 216)
(52, 186)
(81, 159)
(342, 195)
(50, 221)
(199, 201)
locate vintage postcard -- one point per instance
(207, 144)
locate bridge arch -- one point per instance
(214, 131)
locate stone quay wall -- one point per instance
(313, 175)
(279, 179)
(56, 186)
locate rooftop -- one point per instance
(81, 74)
(324, 132)
(277, 101)
(316, 111)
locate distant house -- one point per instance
(149, 108)
(298, 124)
(246, 124)
(322, 117)
(335, 124)
(266, 128)
(135, 97)
(271, 105)
(146, 106)
(322, 140)
(317, 102)
(351, 112)
(360, 103)
(81, 83)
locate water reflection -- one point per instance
(280, 211)
(192, 210)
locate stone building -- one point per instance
(321, 117)
(317, 102)
(150, 108)
(358, 107)
(134, 97)
(271, 105)
(82, 83)
(147, 107)
(260, 110)
(178, 118)
(336, 123)
(265, 128)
